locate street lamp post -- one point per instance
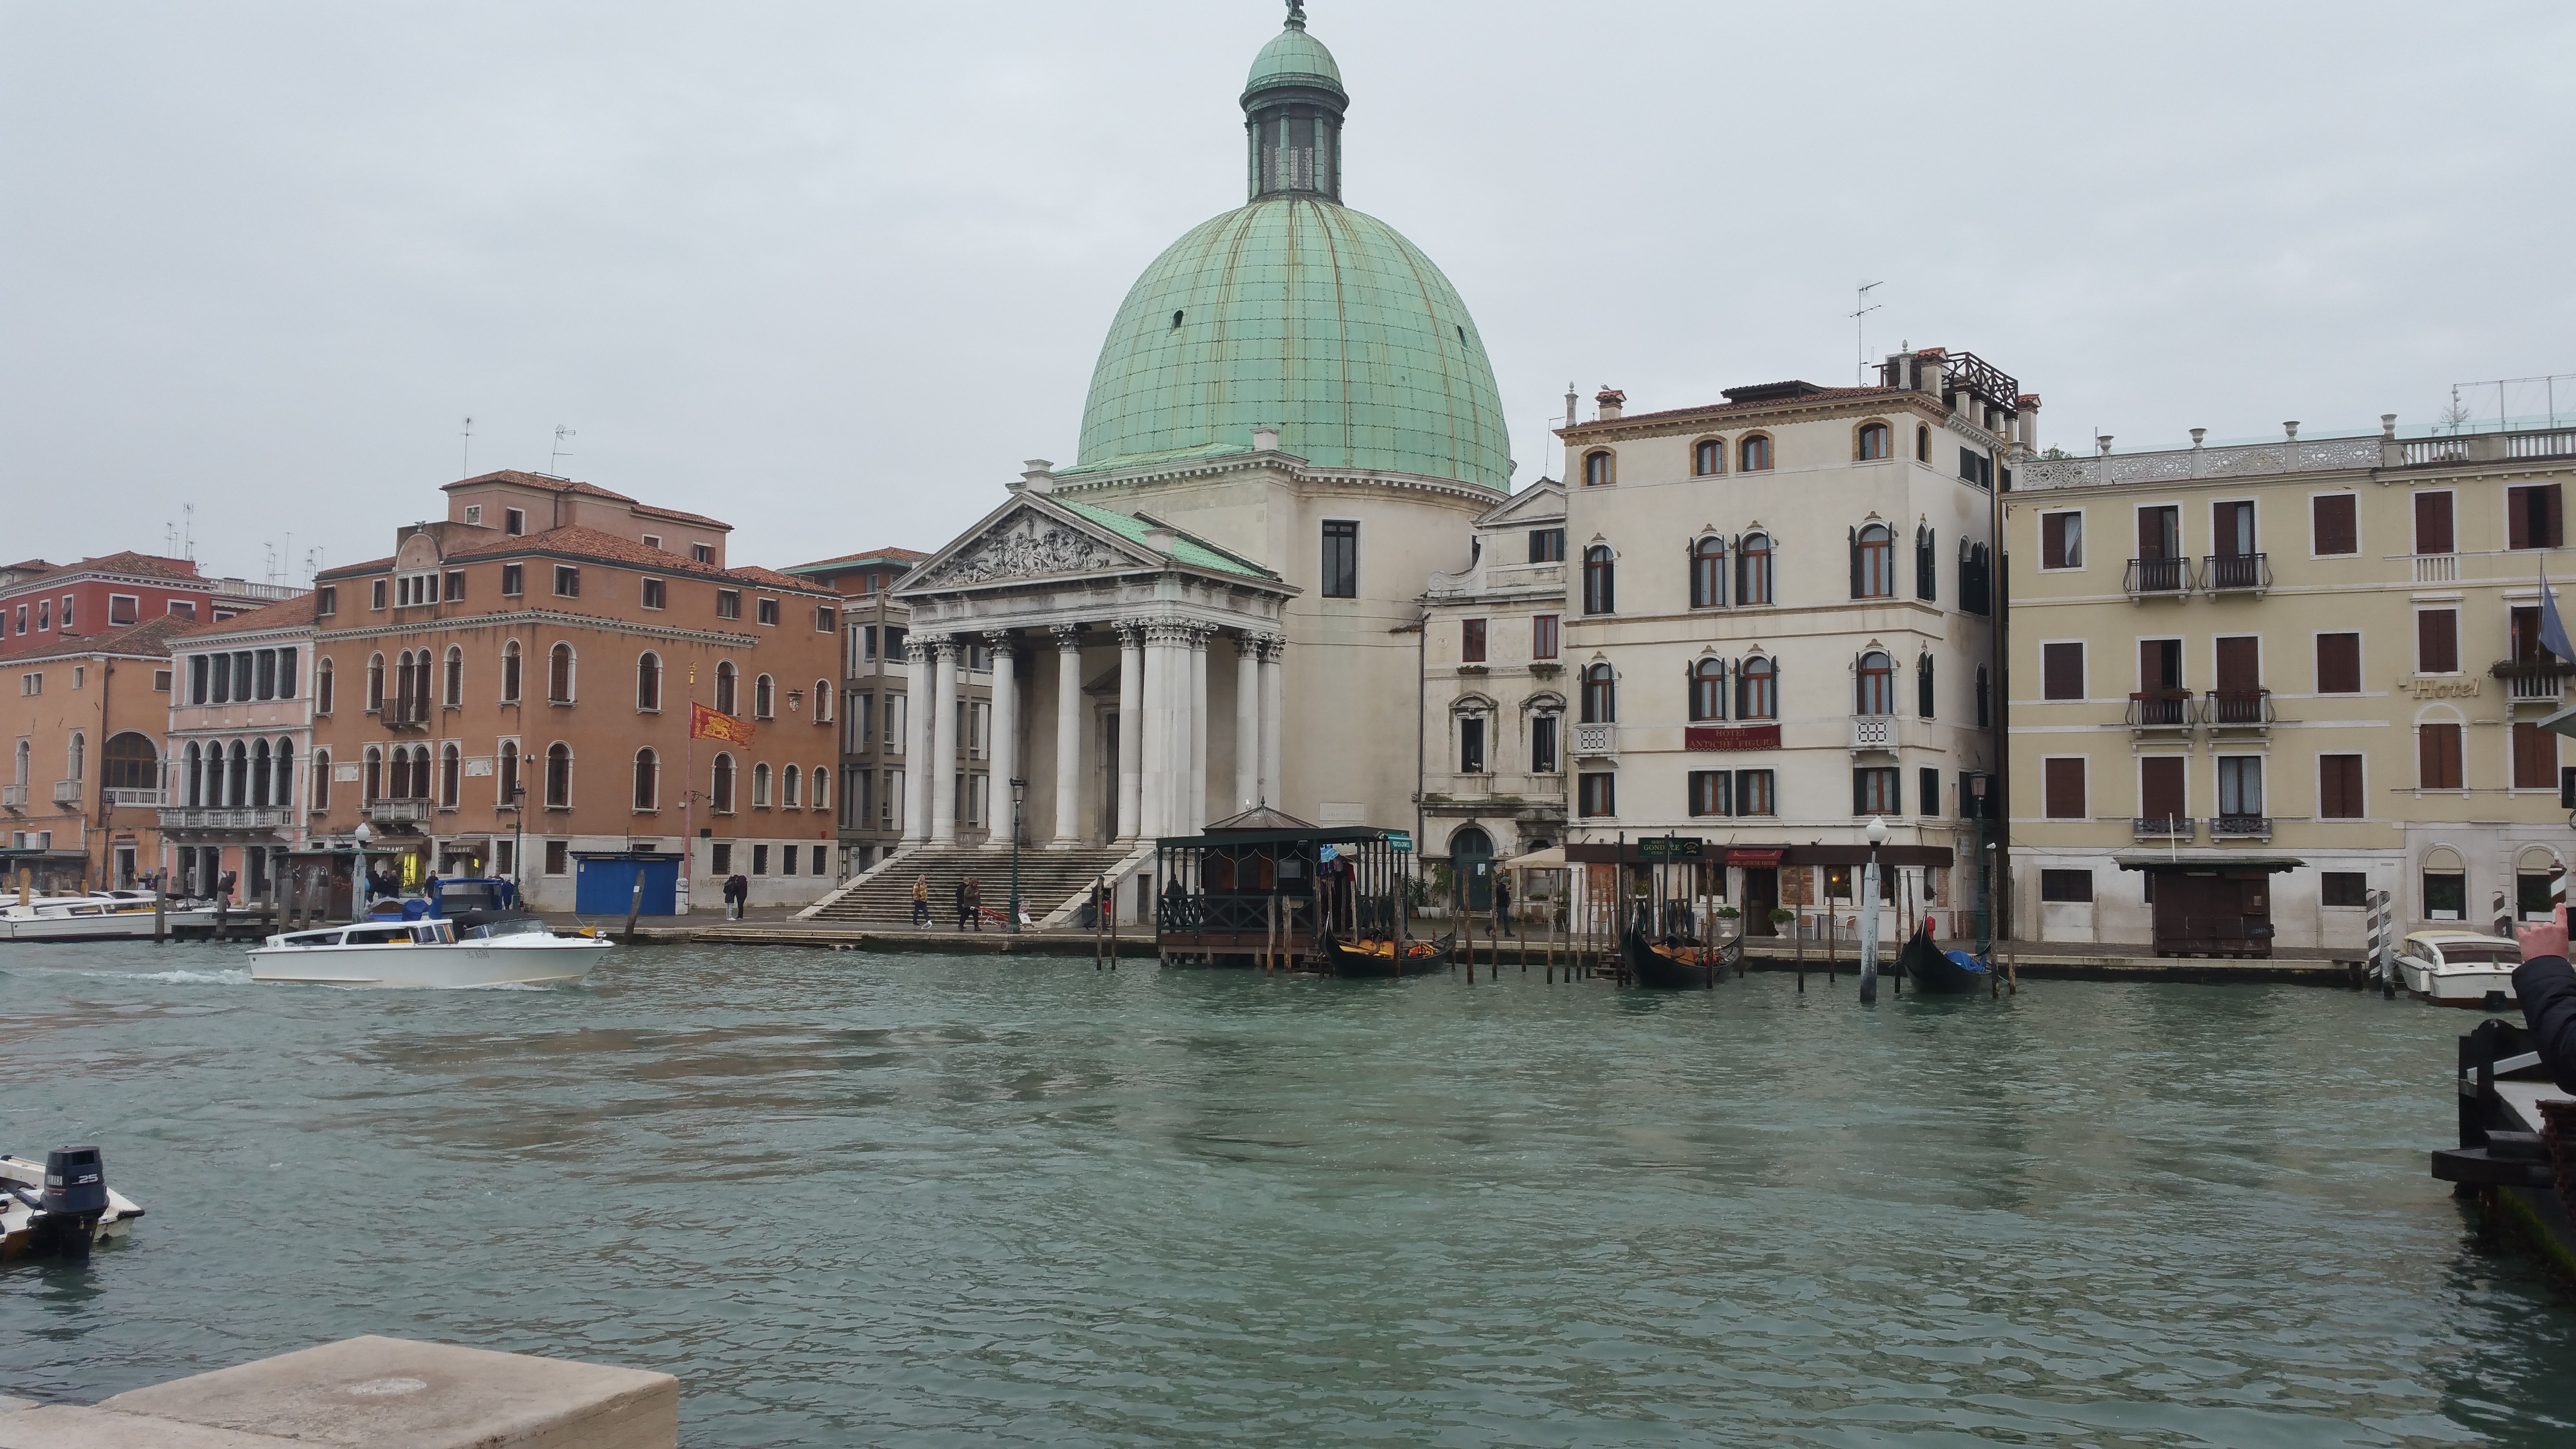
(1877, 833)
(1977, 870)
(1019, 792)
(519, 840)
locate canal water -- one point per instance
(915, 1200)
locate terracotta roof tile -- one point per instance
(148, 564)
(1720, 409)
(284, 614)
(586, 490)
(892, 555)
(647, 510)
(590, 543)
(151, 637)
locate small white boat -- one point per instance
(2460, 968)
(60, 1205)
(104, 916)
(430, 952)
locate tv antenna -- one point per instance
(465, 464)
(561, 433)
(1862, 306)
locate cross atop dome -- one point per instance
(1296, 14)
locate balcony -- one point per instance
(13, 797)
(2165, 827)
(1595, 741)
(136, 799)
(2161, 709)
(255, 818)
(2238, 709)
(2159, 577)
(2240, 827)
(2245, 573)
(398, 812)
(1873, 733)
(2437, 568)
(2533, 681)
(67, 792)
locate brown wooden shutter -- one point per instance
(2063, 788)
(2160, 788)
(2339, 787)
(2338, 530)
(2437, 752)
(2437, 641)
(2338, 664)
(2517, 518)
(2535, 758)
(2240, 665)
(2553, 521)
(2062, 671)
(2433, 523)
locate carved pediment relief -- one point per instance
(1026, 545)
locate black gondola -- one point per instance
(1936, 972)
(1363, 957)
(1673, 965)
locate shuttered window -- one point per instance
(2532, 517)
(2337, 525)
(2437, 641)
(2338, 664)
(2433, 523)
(2437, 757)
(2160, 788)
(2535, 758)
(2062, 786)
(2061, 540)
(2061, 671)
(2339, 787)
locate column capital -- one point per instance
(1067, 636)
(1271, 646)
(1170, 631)
(941, 646)
(1200, 634)
(1003, 642)
(1131, 633)
(916, 649)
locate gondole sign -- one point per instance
(1731, 737)
(1670, 847)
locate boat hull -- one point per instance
(1363, 963)
(19, 1228)
(429, 967)
(1673, 968)
(1934, 973)
(2469, 987)
(116, 925)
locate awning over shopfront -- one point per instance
(2203, 860)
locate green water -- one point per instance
(856, 1199)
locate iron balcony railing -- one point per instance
(2161, 709)
(2166, 827)
(2239, 827)
(2219, 573)
(2239, 708)
(2159, 576)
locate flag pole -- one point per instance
(689, 796)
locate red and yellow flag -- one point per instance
(707, 724)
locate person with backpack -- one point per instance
(737, 893)
(921, 900)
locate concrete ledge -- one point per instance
(393, 1393)
(9, 1405)
(61, 1426)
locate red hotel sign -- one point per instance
(1731, 737)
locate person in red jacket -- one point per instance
(2546, 986)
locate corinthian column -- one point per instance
(1068, 734)
(1195, 791)
(1158, 772)
(1273, 669)
(916, 740)
(1247, 722)
(1131, 730)
(1005, 765)
(943, 742)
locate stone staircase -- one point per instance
(1051, 881)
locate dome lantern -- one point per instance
(1293, 104)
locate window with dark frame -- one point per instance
(2338, 664)
(1875, 791)
(455, 587)
(1597, 794)
(653, 594)
(2061, 671)
(2334, 521)
(728, 603)
(1600, 580)
(2533, 517)
(1927, 793)
(1547, 545)
(2061, 540)
(765, 611)
(1544, 636)
(376, 594)
(1471, 744)
(2343, 888)
(1471, 641)
(2062, 788)
(1341, 561)
(2339, 792)
(1543, 750)
(1712, 792)
(1753, 795)
(2066, 887)
(567, 582)
(514, 523)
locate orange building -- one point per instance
(511, 692)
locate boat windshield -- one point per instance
(2480, 953)
(517, 926)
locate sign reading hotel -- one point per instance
(2443, 686)
(1731, 737)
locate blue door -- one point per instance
(603, 885)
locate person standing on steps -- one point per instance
(961, 903)
(921, 900)
(975, 902)
(737, 894)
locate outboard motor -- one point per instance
(71, 1202)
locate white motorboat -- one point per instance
(104, 916)
(60, 1205)
(2460, 968)
(431, 952)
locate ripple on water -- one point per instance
(918, 1201)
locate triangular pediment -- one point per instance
(1543, 500)
(1028, 540)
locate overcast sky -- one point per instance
(832, 271)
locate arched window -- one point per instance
(822, 701)
(1757, 689)
(1600, 580)
(281, 790)
(260, 781)
(1872, 444)
(648, 682)
(725, 688)
(1922, 443)
(321, 781)
(1708, 457)
(559, 776)
(721, 796)
(237, 782)
(509, 782)
(791, 782)
(451, 772)
(194, 786)
(1753, 569)
(1926, 562)
(322, 688)
(1600, 695)
(1753, 455)
(375, 684)
(648, 780)
(1873, 563)
(24, 755)
(1708, 573)
(760, 786)
(1925, 698)
(559, 675)
(1596, 469)
(822, 778)
(402, 687)
(371, 783)
(1877, 684)
(130, 762)
(452, 689)
(764, 698)
(510, 672)
(1708, 690)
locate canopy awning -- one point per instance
(2204, 860)
(1552, 858)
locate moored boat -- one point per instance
(61, 1205)
(1364, 957)
(2460, 968)
(1936, 972)
(104, 916)
(1674, 965)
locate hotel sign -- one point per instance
(1731, 737)
(2444, 686)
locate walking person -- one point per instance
(962, 907)
(737, 893)
(975, 902)
(1502, 904)
(921, 900)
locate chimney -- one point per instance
(1571, 399)
(1265, 440)
(1611, 401)
(2029, 402)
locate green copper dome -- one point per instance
(1297, 313)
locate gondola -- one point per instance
(1365, 957)
(1936, 972)
(1674, 966)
